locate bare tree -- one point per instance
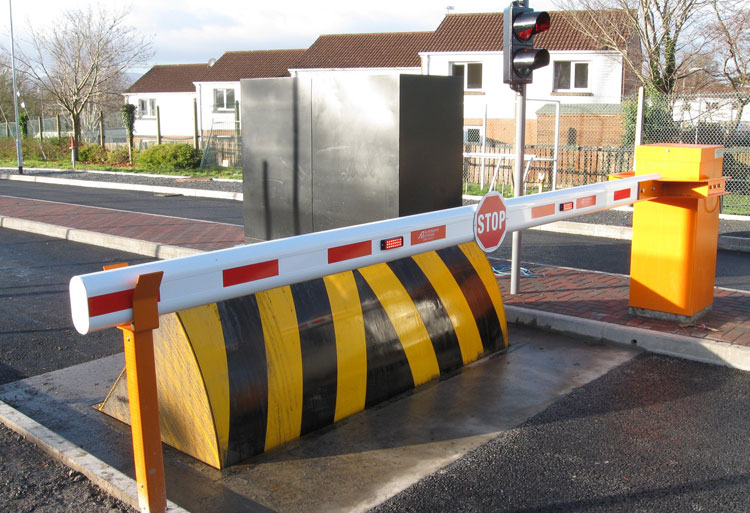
(731, 48)
(656, 38)
(80, 60)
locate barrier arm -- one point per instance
(105, 299)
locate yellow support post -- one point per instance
(675, 235)
(144, 407)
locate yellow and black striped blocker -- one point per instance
(240, 377)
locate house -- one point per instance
(381, 53)
(199, 97)
(171, 88)
(581, 72)
(218, 90)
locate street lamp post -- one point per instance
(15, 91)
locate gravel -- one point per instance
(31, 481)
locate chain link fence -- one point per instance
(595, 140)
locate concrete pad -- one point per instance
(352, 465)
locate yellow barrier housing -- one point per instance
(675, 234)
(243, 376)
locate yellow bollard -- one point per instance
(675, 235)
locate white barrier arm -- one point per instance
(104, 299)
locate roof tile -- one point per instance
(234, 66)
(384, 50)
(169, 78)
(483, 32)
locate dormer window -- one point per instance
(471, 73)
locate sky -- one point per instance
(193, 31)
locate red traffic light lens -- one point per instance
(529, 23)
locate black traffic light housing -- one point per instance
(520, 58)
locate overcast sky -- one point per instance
(192, 31)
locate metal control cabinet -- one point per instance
(341, 149)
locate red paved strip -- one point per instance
(252, 272)
(349, 251)
(604, 297)
(112, 302)
(622, 194)
(588, 201)
(543, 211)
(174, 231)
(428, 235)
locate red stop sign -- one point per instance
(489, 222)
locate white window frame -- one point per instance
(572, 77)
(147, 108)
(466, 65)
(225, 107)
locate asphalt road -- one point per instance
(218, 211)
(656, 434)
(36, 332)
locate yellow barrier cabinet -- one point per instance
(673, 256)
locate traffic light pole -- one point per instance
(515, 258)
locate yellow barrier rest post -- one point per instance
(675, 235)
(144, 406)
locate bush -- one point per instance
(169, 157)
(92, 153)
(50, 149)
(119, 156)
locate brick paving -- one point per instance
(604, 297)
(175, 231)
(584, 294)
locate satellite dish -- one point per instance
(211, 62)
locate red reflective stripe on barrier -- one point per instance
(427, 235)
(588, 201)
(108, 303)
(543, 211)
(356, 250)
(252, 272)
(622, 194)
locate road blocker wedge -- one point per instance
(241, 376)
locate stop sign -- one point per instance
(489, 222)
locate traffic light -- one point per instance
(520, 57)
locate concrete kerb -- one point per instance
(680, 346)
(140, 247)
(109, 479)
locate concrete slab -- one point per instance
(353, 465)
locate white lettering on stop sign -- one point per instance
(489, 222)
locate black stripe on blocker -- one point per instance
(318, 346)
(248, 377)
(388, 371)
(476, 295)
(433, 313)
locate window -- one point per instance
(470, 71)
(472, 135)
(147, 108)
(223, 99)
(571, 76)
